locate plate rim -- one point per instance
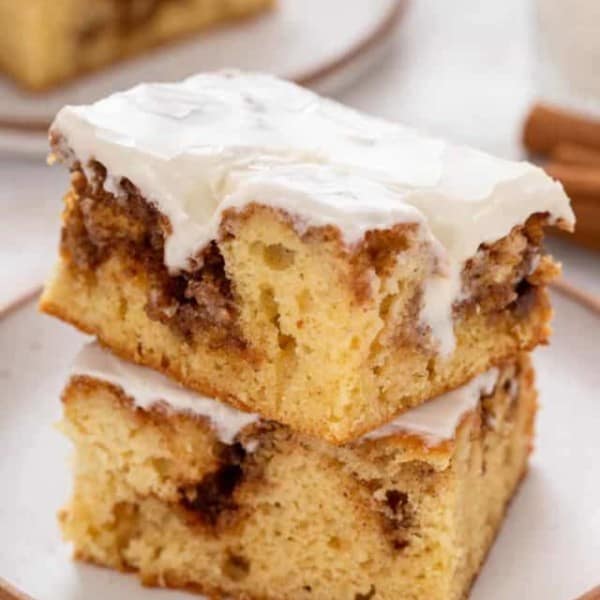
(9, 592)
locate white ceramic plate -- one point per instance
(548, 549)
(296, 41)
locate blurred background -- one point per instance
(518, 78)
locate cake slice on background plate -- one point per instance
(191, 493)
(44, 43)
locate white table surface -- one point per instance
(462, 69)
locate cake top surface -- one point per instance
(195, 148)
(434, 422)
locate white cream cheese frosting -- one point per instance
(147, 388)
(221, 140)
(435, 421)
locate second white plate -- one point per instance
(297, 41)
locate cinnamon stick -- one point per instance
(575, 154)
(587, 228)
(582, 184)
(591, 595)
(578, 180)
(547, 126)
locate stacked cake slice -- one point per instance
(341, 310)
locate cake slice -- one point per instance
(44, 42)
(190, 493)
(292, 257)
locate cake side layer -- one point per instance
(295, 517)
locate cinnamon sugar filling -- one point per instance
(98, 225)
